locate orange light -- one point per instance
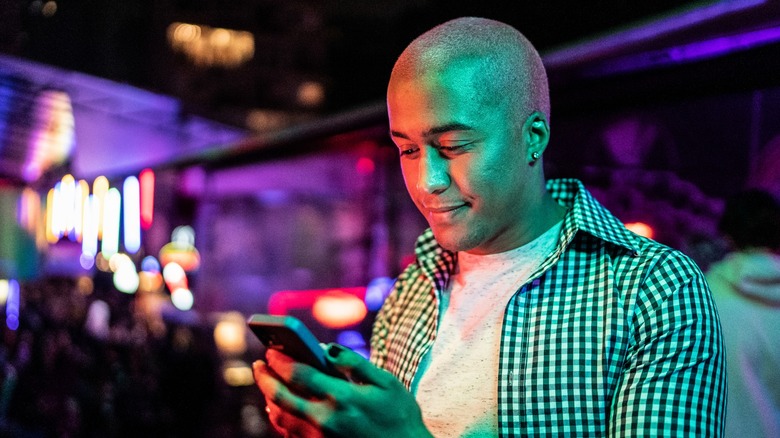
(99, 188)
(50, 236)
(641, 228)
(337, 309)
(150, 281)
(146, 179)
(187, 257)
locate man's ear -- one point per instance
(537, 135)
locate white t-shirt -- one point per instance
(456, 384)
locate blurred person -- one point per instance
(530, 309)
(746, 288)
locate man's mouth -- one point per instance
(444, 212)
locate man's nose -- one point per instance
(434, 173)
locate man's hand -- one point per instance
(374, 403)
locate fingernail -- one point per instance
(334, 350)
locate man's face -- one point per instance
(463, 158)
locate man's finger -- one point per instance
(302, 377)
(357, 368)
(277, 393)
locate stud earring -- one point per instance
(534, 156)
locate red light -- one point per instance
(146, 178)
(641, 228)
(365, 166)
(283, 301)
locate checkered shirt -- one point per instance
(613, 335)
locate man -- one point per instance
(530, 310)
(746, 288)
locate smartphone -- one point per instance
(290, 336)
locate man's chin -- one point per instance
(451, 239)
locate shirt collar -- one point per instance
(584, 214)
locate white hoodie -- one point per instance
(746, 289)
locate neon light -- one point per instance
(282, 302)
(51, 236)
(66, 205)
(28, 210)
(111, 212)
(82, 193)
(91, 219)
(695, 51)
(3, 291)
(132, 214)
(12, 305)
(52, 136)
(147, 198)
(99, 189)
(57, 224)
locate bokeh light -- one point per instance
(12, 304)
(132, 214)
(150, 264)
(182, 298)
(641, 228)
(126, 279)
(174, 276)
(353, 340)
(230, 334)
(146, 179)
(337, 309)
(377, 291)
(237, 373)
(111, 213)
(3, 291)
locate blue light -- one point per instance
(376, 292)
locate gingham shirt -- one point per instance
(614, 334)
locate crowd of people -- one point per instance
(65, 377)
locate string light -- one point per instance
(111, 212)
(131, 214)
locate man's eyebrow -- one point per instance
(436, 130)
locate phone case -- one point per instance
(290, 336)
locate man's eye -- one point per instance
(407, 151)
(450, 149)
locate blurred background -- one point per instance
(168, 168)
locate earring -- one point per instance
(534, 156)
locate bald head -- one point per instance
(509, 66)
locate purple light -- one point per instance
(12, 305)
(687, 52)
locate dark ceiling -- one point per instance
(347, 45)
